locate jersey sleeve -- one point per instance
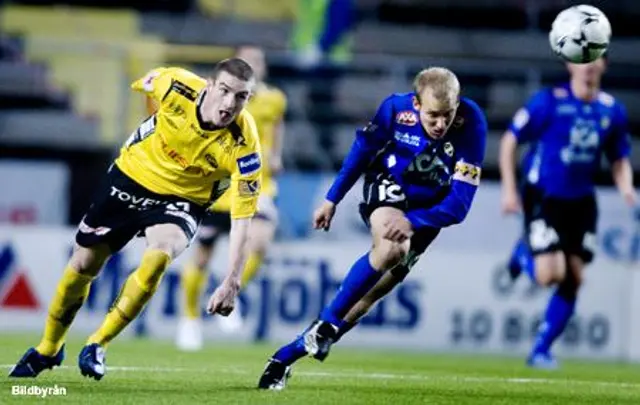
(246, 177)
(369, 141)
(618, 145)
(454, 208)
(155, 83)
(529, 121)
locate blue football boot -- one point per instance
(33, 363)
(92, 362)
(544, 361)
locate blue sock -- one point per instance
(522, 260)
(559, 311)
(361, 278)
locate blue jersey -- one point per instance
(439, 177)
(569, 137)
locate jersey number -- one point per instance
(390, 192)
(145, 129)
(541, 236)
(179, 206)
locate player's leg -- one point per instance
(521, 258)
(577, 235)
(420, 241)
(365, 273)
(164, 242)
(559, 311)
(71, 292)
(103, 230)
(387, 283)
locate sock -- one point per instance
(251, 268)
(73, 289)
(522, 260)
(136, 292)
(193, 280)
(559, 311)
(343, 328)
(361, 278)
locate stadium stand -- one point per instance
(68, 68)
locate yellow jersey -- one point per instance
(173, 152)
(267, 106)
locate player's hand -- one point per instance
(275, 164)
(630, 197)
(511, 202)
(398, 229)
(323, 215)
(223, 299)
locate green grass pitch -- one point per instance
(154, 372)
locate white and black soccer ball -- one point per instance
(580, 34)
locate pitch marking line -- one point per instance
(381, 376)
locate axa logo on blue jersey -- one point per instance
(290, 291)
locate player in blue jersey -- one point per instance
(421, 158)
(569, 127)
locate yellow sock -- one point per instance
(251, 268)
(72, 290)
(134, 295)
(193, 281)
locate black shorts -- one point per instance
(214, 224)
(553, 225)
(122, 209)
(382, 191)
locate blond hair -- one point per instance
(442, 82)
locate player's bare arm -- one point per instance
(622, 173)
(223, 299)
(507, 160)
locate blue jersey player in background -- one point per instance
(568, 128)
(421, 158)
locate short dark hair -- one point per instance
(235, 67)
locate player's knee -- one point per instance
(168, 238)
(89, 261)
(550, 269)
(545, 277)
(387, 254)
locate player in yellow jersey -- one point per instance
(198, 144)
(267, 106)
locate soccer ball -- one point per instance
(580, 34)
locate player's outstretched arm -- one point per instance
(622, 173)
(618, 150)
(223, 299)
